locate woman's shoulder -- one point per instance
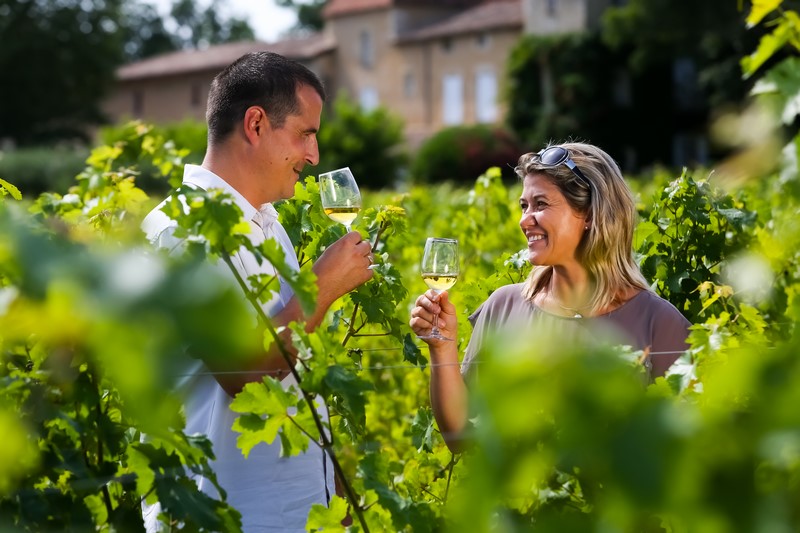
(506, 296)
(647, 302)
(503, 298)
(653, 322)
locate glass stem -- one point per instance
(435, 330)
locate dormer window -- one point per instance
(409, 85)
(138, 104)
(368, 99)
(196, 99)
(366, 49)
(485, 96)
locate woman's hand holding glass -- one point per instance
(434, 307)
(439, 272)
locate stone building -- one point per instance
(432, 63)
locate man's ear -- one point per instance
(256, 123)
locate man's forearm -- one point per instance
(273, 361)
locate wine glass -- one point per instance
(439, 272)
(340, 196)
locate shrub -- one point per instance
(189, 134)
(462, 153)
(370, 143)
(36, 170)
(139, 141)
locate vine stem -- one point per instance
(99, 413)
(380, 231)
(351, 331)
(326, 442)
(449, 475)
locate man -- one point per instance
(263, 115)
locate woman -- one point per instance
(578, 216)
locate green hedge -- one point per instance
(370, 143)
(189, 137)
(460, 153)
(36, 170)
(189, 134)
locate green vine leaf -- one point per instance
(7, 188)
(328, 518)
(268, 411)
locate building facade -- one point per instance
(433, 64)
(174, 87)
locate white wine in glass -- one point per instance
(439, 272)
(341, 199)
(439, 283)
(342, 215)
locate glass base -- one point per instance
(435, 335)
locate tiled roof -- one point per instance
(220, 56)
(492, 15)
(335, 8)
(343, 7)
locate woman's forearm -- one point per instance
(448, 395)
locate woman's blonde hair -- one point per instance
(605, 249)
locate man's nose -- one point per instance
(312, 151)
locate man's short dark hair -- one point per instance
(265, 79)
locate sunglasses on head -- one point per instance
(558, 155)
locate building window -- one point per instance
(689, 149)
(447, 44)
(483, 40)
(453, 100)
(621, 89)
(551, 6)
(196, 97)
(138, 104)
(409, 85)
(366, 49)
(686, 89)
(368, 99)
(485, 96)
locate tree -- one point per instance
(652, 63)
(370, 143)
(59, 58)
(564, 87)
(309, 13)
(197, 29)
(145, 33)
(58, 61)
(711, 33)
